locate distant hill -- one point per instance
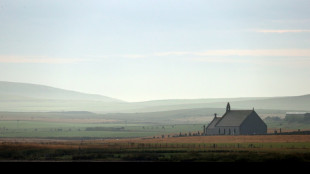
(22, 97)
(294, 103)
(196, 101)
(195, 115)
(290, 103)
(24, 91)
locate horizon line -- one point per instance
(148, 100)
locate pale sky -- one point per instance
(137, 50)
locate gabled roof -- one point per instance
(233, 117)
(213, 122)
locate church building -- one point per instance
(236, 122)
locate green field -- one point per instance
(82, 124)
(282, 123)
(41, 129)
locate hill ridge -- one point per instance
(37, 91)
(15, 96)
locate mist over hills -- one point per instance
(23, 97)
(25, 91)
(295, 103)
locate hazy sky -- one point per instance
(138, 50)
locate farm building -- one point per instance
(302, 114)
(297, 116)
(236, 122)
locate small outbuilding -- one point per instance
(297, 117)
(237, 122)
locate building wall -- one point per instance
(307, 118)
(229, 130)
(211, 131)
(253, 125)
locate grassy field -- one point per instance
(285, 125)
(76, 130)
(268, 148)
(83, 125)
(44, 129)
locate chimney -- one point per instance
(204, 129)
(215, 115)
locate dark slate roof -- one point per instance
(233, 117)
(213, 122)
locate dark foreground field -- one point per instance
(292, 148)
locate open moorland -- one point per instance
(88, 125)
(259, 148)
(40, 123)
(85, 136)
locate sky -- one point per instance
(142, 50)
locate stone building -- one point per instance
(297, 117)
(236, 122)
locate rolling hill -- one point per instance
(22, 97)
(24, 91)
(294, 103)
(290, 103)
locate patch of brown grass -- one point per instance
(221, 139)
(74, 144)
